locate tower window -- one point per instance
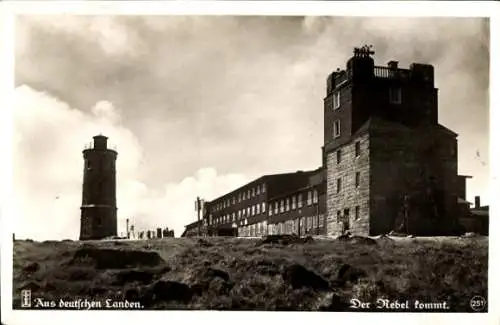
(336, 128)
(358, 176)
(339, 185)
(336, 100)
(357, 148)
(338, 215)
(395, 95)
(339, 156)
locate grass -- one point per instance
(244, 274)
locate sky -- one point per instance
(200, 105)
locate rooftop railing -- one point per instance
(90, 145)
(388, 73)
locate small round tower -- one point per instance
(98, 210)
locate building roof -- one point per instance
(193, 224)
(267, 176)
(377, 123)
(479, 213)
(462, 201)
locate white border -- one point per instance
(312, 8)
(295, 8)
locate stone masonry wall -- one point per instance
(349, 196)
(401, 163)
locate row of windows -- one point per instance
(345, 217)
(254, 230)
(307, 225)
(240, 197)
(395, 97)
(243, 213)
(296, 202)
(357, 181)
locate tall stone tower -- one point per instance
(390, 164)
(98, 216)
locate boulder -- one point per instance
(171, 291)
(348, 273)
(213, 273)
(362, 240)
(284, 240)
(31, 267)
(298, 276)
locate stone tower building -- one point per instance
(390, 164)
(98, 210)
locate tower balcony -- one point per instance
(91, 146)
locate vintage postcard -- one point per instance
(202, 159)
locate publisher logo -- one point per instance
(477, 303)
(25, 298)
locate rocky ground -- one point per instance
(274, 273)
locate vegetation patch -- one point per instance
(274, 273)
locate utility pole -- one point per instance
(198, 210)
(300, 221)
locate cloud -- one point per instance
(48, 166)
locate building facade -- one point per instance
(301, 211)
(390, 164)
(245, 212)
(98, 210)
(387, 164)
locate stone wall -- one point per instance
(402, 162)
(349, 196)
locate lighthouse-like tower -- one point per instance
(98, 216)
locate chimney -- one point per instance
(477, 202)
(392, 65)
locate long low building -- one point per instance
(270, 204)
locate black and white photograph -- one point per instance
(250, 162)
